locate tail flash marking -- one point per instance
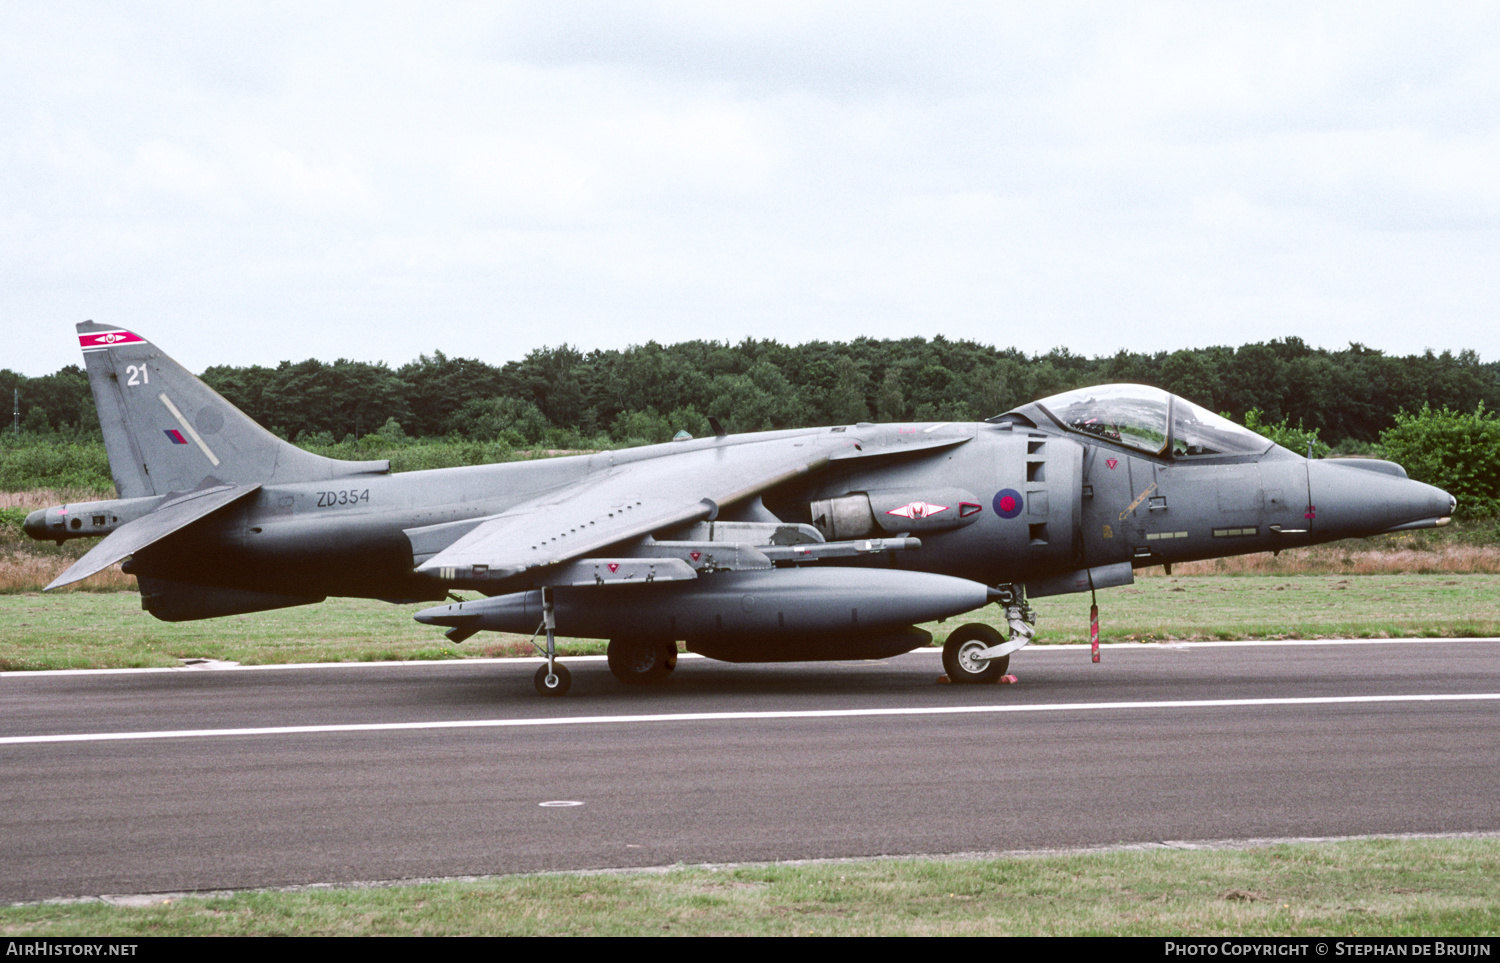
(93, 342)
(214, 459)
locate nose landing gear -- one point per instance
(977, 653)
(962, 654)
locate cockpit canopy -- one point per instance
(1149, 420)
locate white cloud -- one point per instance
(252, 184)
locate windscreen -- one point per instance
(1197, 432)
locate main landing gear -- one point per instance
(642, 661)
(976, 653)
(633, 661)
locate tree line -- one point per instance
(562, 395)
(1434, 413)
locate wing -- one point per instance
(624, 502)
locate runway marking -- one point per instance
(732, 716)
(534, 660)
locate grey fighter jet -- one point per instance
(806, 544)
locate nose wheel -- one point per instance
(963, 658)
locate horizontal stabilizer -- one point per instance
(175, 512)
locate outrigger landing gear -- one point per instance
(976, 652)
(553, 678)
(642, 661)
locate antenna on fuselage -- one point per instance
(1312, 510)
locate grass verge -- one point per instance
(108, 630)
(1208, 608)
(82, 630)
(1395, 887)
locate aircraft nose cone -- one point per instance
(1422, 501)
(1350, 501)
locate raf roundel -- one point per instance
(1008, 503)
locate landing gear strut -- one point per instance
(642, 661)
(553, 678)
(976, 652)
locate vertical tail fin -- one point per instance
(167, 431)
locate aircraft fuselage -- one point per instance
(1013, 504)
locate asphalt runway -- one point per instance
(127, 782)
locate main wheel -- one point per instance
(961, 651)
(557, 684)
(642, 661)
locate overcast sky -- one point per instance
(246, 183)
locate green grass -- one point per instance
(98, 630)
(1210, 607)
(108, 629)
(1403, 887)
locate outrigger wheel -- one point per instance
(960, 654)
(642, 661)
(554, 683)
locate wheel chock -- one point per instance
(1003, 680)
